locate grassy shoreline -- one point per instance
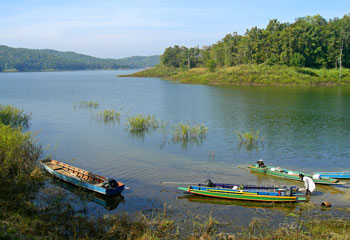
(262, 74)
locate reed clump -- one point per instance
(186, 132)
(109, 116)
(250, 139)
(142, 123)
(88, 104)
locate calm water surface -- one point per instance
(302, 128)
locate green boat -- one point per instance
(292, 175)
(261, 196)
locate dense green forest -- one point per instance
(310, 41)
(22, 59)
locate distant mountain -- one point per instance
(24, 59)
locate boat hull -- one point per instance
(81, 183)
(337, 175)
(236, 195)
(295, 177)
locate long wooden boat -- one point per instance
(261, 196)
(249, 188)
(338, 175)
(82, 178)
(292, 175)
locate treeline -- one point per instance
(22, 59)
(310, 41)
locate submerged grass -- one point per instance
(187, 133)
(250, 140)
(109, 116)
(142, 123)
(87, 104)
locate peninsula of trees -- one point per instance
(23, 59)
(310, 50)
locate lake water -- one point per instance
(303, 128)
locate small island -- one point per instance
(309, 52)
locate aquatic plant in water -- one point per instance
(141, 123)
(88, 104)
(187, 133)
(109, 116)
(250, 139)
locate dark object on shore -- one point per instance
(82, 178)
(326, 204)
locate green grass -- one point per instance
(251, 75)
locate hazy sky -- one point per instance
(116, 29)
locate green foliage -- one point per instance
(141, 123)
(15, 117)
(211, 65)
(18, 153)
(297, 60)
(310, 41)
(250, 139)
(22, 59)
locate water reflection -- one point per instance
(285, 207)
(109, 203)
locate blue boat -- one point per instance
(83, 178)
(341, 175)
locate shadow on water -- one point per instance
(109, 203)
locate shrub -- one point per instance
(14, 117)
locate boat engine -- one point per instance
(209, 183)
(110, 183)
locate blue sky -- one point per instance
(116, 29)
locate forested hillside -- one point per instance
(310, 41)
(22, 59)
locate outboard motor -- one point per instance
(209, 183)
(110, 183)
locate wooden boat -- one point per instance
(82, 178)
(337, 175)
(226, 193)
(292, 175)
(248, 188)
